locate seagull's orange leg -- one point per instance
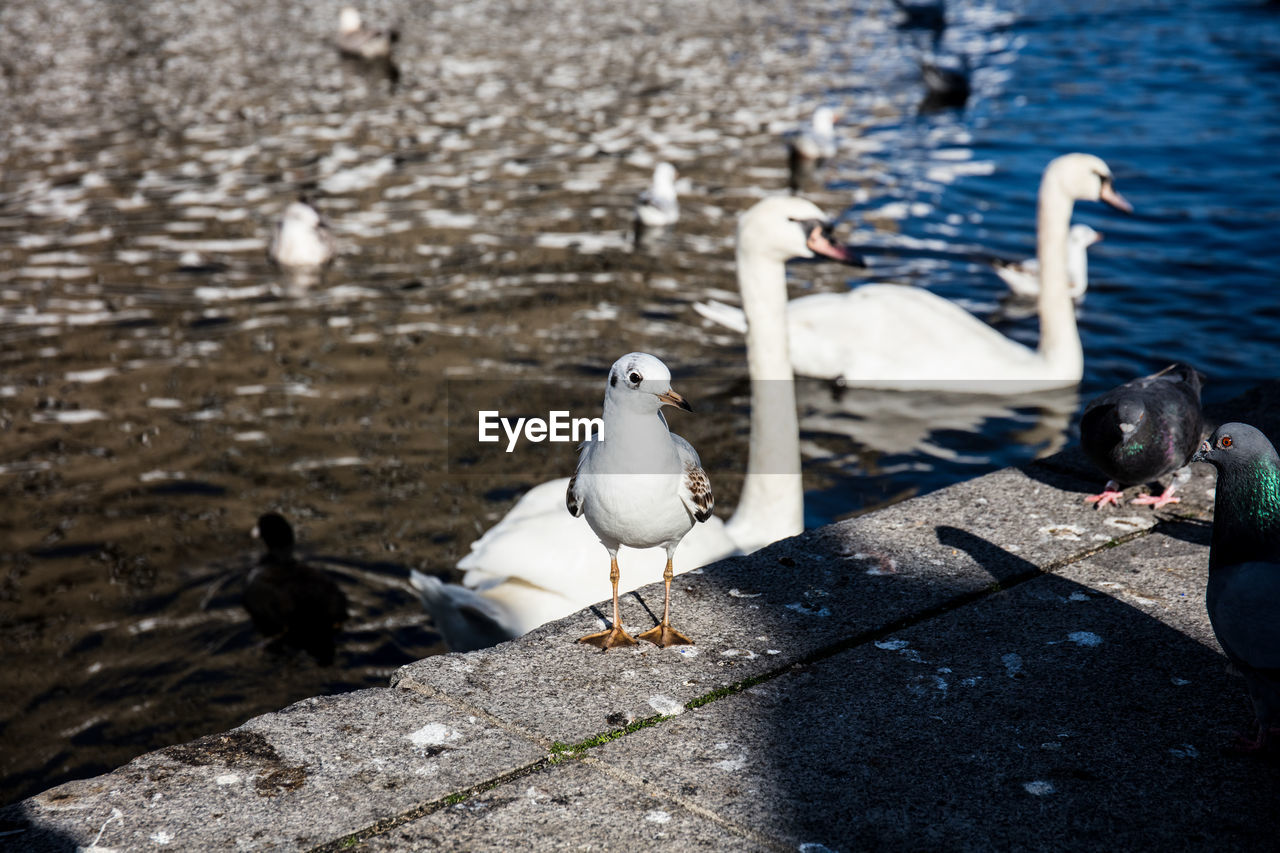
(663, 634)
(614, 636)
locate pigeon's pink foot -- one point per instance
(1108, 496)
(1157, 501)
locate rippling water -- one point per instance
(161, 384)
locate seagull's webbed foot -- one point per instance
(610, 638)
(663, 635)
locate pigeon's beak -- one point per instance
(820, 244)
(1113, 198)
(671, 398)
(1199, 456)
(255, 532)
(1097, 238)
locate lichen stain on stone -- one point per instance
(278, 781)
(229, 749)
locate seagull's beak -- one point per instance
(671, 398)
(820, 244)
(1097, 238)
(1113, 198)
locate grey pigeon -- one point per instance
(1142, 430)
(1243, 594)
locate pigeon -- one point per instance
(1142, 430)
(291, 603)
(1243, 593)
(663, 491)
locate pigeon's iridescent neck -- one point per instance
(1247, 515)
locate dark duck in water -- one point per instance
(291, 603)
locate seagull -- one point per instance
(658, 206)
(809, 147)
(357, 42)
(1023, 277)
(639, 484)
(302, 239)
(289, 601)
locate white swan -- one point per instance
(888, 336)
(1023, 277)
(540, 563)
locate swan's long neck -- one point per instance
(772, 504)
(1059, 338)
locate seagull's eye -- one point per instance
(1225, 441)
(635, 378)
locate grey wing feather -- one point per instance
(695, 488)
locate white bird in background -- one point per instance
(539, 563)
(640, 484)
(359, 42)
(658, 206)
(809, 147)
(302, 239)
(889, 336)
(1023, 277)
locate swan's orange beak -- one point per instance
(820, 244)
(1113, 198)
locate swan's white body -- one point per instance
(888, 336)
(1024, 278)
(540, 563)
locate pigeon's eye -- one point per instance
(635, 378)
(1225, 441)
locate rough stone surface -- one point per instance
(1049, 716)
(571, 806)
(304, 775)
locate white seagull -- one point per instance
(658, 206)
(639, 484)
(811, 146)
(1023, 277)
(302, 239)
(890, 336)
(539, 563)
(359, 42)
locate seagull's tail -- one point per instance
(725, 315)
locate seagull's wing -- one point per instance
(695, 486)
(572, 497)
